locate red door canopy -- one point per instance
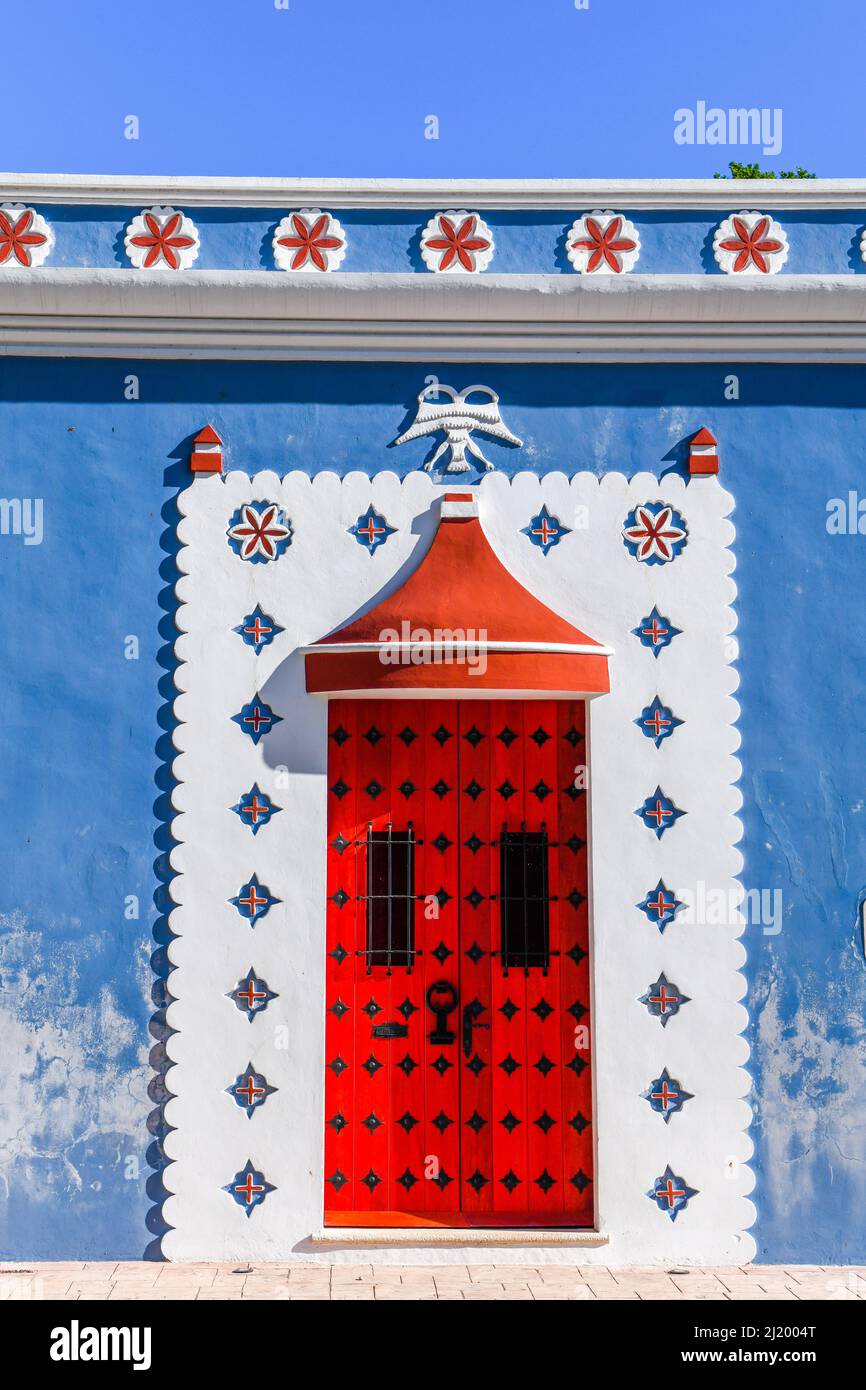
(461, 623)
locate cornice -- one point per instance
(518, 194)
(407, 317)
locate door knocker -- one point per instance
(442, 1000)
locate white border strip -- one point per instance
(210, 1137)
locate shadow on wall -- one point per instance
(298, 746)
(175, 478)
(299, 743)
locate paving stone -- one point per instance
(277, 1281)
(389, 1294)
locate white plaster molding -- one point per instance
(457, 243)
(750, 243)
(162, 238)
(520, 194)
(593, 581)
(409, 317)
(309, 241)
(442, 410)
(603, 243)
(26, 239)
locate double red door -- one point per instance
(458, 1076)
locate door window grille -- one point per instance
(524, 899)
(390, 897)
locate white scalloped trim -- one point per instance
(580, 257)
(333, 256)
(726, 231)
(592, 580)
(37, 226)
(433, 257)
(185, 255)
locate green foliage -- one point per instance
(754, 171)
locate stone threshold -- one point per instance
(384, 1237)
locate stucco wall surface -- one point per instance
(87, 740)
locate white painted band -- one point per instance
(468, 644)
(463, 692)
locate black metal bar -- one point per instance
(525, 839)
(532, 899)
(545, 940)
(503, 915)
(410, 897)
(398, 945)
(390, 955)
(369, 897)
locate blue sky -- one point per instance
(521, 88)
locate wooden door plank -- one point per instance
(508, 1012)
(543, 1005)
(578, 1147)
(372, 1169)
(406, 1119)
(439, 1079)
(477, 1179)
(340, 1001)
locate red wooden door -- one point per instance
(457, 1034)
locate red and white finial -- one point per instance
(703, 453)
(207, 452)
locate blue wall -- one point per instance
(85, 750)
(672, 243)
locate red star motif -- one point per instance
(308, 243)
(163, 242)
(651, 533)
(752, 246)
(604, 245)
(259, 533)
(16, 237)
(458, 243)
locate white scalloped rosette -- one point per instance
(309, 240)
(750, 243)
(863, 246)
(162, 239)
(457, 242)
(26, 239)
(603, 243)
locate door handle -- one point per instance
(471, 1014)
